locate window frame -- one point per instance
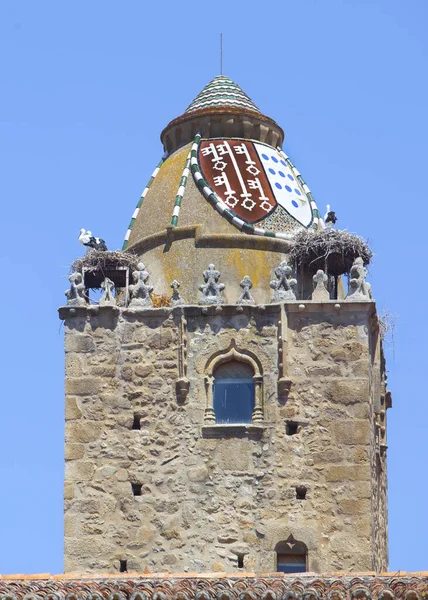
(210, 426)
(294, 549)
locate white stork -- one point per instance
(87, 239)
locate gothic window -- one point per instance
(291, 556)
(234, 392)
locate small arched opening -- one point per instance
(233, 392)
(291, 556)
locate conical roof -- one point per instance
(221, 109)
(222, 92)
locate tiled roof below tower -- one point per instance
(211, 586)
(222, 92)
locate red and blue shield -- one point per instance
(253, 179)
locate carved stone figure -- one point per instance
(359, 288)
(176, 299)
(140, 291)
(107, 298)
(75, 295)
(320, 292)
(211, 291)
(284, 285)
(246, 297)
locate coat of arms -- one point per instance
(252, 179)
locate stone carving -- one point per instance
(140, 291)
(107, 298)
(360, 289)
(176, 299)
(211, 291)
(246, 297)
(320, 292)
(75, 295)
(284, 285)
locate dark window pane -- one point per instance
(233, 400)
(297, 568)
(291, 563)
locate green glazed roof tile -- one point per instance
(222, 92)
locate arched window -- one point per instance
(291, 556)
(234, 392)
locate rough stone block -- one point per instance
(83, 386)
(348, 352)
(331, 455)
(320, 370)
(77, 342)
(344, 542)
(68, 490)
(198, 474)
(348, 473)
(82, 432)
(351, 432)
(104, 370)
(74, 365)
(72, 410)
(74, 451)
(234, 455)
(79, 470)
(354, 507)
(348, 391)
(360, 368)
(144, 370)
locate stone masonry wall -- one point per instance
(205, 501)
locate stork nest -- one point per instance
(332, 250)
(98, 260)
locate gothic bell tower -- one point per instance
(225, 397)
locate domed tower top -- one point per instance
(222, 108)
(224, 193)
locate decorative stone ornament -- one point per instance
(107, 298)
(182, 386)
(285, 284)
(359, 288)
(140, 291)
(320, 292)
(75, 295)
(176, 299)
(246, 297)
(211, 291)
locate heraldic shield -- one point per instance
(254, 180)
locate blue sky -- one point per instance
(86, 88)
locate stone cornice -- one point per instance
(195, 310)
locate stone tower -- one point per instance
(225, 399)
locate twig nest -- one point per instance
(96, 260)
(333, 250)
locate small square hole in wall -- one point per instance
(136, 488)
(241, 561)
(123, 567)
(137, 422)
(291, 428)
(301, 492)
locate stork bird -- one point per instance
(330, 217)
(87, 239)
